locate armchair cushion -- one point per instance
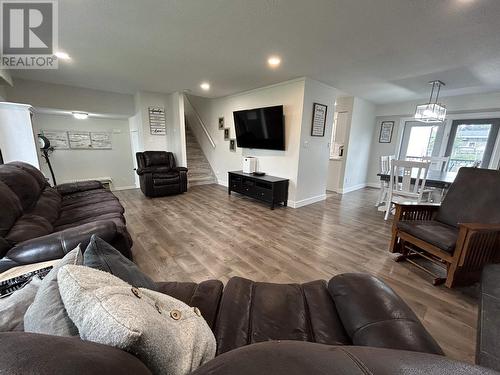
(474, 197)
(154, 158)
(431, 231)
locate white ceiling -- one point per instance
(382, 50)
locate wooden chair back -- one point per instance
(402, 173)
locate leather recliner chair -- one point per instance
(159, 175)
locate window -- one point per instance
(421, 140)
(471, 143)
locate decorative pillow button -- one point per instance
(175, 314)
(136, 292)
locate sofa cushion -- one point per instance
(34, 172)
(102, 256)
(299, 358)
(252, 312)
(474, 197)
(47, 313)
(72, 215)
(11, 209)
(27, 227)
(166, 334)
(48, 205)
(115, 217)
(431, 231)
(206, 296)
(23, 184)
(159, 158)
(35, 354)
(374, 315)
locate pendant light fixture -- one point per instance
(432, 111)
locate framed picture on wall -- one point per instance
(386, 129)
(319, 120)
(221, 123)
(226, 134)
(232, 145)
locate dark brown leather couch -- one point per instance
(40, 223)
(315, 328)
(158, 174)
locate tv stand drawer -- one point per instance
(269, 189)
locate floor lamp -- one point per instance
(46, 151)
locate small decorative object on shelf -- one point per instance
(226, 134)
(232, 145)
(386, 132)
(319, 120)
(221, 123)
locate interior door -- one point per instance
(471, 143)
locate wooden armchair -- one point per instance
(463, 233)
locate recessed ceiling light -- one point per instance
(81, 115)
(274, 61)
(205, 86)
(62, 55)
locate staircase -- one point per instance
(199, 170)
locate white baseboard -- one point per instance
(351, 188)
(222, 182)
(375, 185)
(118, 188)
(306, 202)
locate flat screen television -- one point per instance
(262, 128)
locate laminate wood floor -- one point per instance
(206, 234)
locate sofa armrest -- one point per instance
(141, 171)
(374, 315)
(30, 353)
(56, 245)
(75, 187)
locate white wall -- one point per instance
(314, 151)
(358, 148)
(70, 98)
(174, 140)
(70, 165)
(305, 160)
(17, 139)
(278, 163)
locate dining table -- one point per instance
(435, 179)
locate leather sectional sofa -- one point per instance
(355, 324)
(40, 223)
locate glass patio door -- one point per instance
(420, 139)
(471, 143)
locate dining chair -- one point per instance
(384, 169)
(437, 163)
(401, 187)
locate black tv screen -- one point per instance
(262, 128)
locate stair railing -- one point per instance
(200, 121)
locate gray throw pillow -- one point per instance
(102, 256)
(166, 334)
(47, 314)
(13, 308)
